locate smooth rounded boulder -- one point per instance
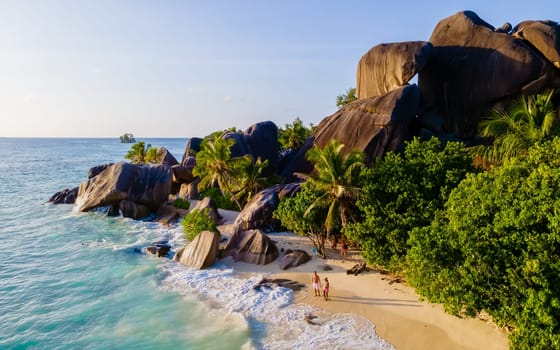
(202, 252)
(145, 185)
(252, 246)
(293, 258)
(257, 213)
(543, 35)
(472, 66)
(386, 67)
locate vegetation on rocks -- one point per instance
(197, 221)
(293, 135)
(140, 153)
(344, 99)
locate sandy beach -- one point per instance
(394, 308)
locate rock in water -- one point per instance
(253, 247)
(159, 248)
(201, 252)
(387, 67)
(471, 67)
(145, 185)
(66, 196)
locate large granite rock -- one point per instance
(253, 247)
(259, 141)
(388, 66)
(293, 258)
(165, 157)
(201, 252)
(182, 174)
(190, 190)
(145, 185)
(257, 214)
(543, 35)
(92, 172)
(66, 196)
(192, 147)
(374, 125)
(133, 210)
(472, 66)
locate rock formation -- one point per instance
(258, 212)
(133, 210)
(293, 258)
(66, 196)
(386, 67)
(253, 247)
(144, 185)
(201, 252)
(472, 66)
(543, 35)
(165, 157)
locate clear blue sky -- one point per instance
(187, 68)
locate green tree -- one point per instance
(334, 179)
(346, 98)
(252, 180)
(526, 121)
(293, 135)
(400, 192)
(294, 215)
(496, 247)
(140, 153)
(197, 221)
(216, 167)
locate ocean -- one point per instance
(71, 280)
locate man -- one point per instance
(316, 280)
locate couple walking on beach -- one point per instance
(316, 280)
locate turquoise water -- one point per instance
(71, 280)
(75, 280)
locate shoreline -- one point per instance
(395, 310)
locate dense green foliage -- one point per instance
(181, 203)
(334, 179)
(252, 180)
(127, 138)
(294, 215)
(197, 221)
(222, 201)
(401, 192)
(496, 247)
(526, 121)
(293, 135)
(346, 98)
(140, 153)
(216, 167)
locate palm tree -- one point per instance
(293, 136)
(137, 153)
(334, 177)
(214, 166)
(252, 180)
(527, 120)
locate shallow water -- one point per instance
(72, 280)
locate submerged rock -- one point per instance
(159, 248)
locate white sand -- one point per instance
(394, 308)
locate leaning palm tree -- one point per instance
(252, 180)
(214, 166)
(334, 177)
(526, 121)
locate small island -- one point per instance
(127, 138)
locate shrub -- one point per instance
(197, 221)
(401, 192)
(181, 203)
(496, 247)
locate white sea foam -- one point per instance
(274, 321)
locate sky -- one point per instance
(187, 68)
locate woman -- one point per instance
(326, 289)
